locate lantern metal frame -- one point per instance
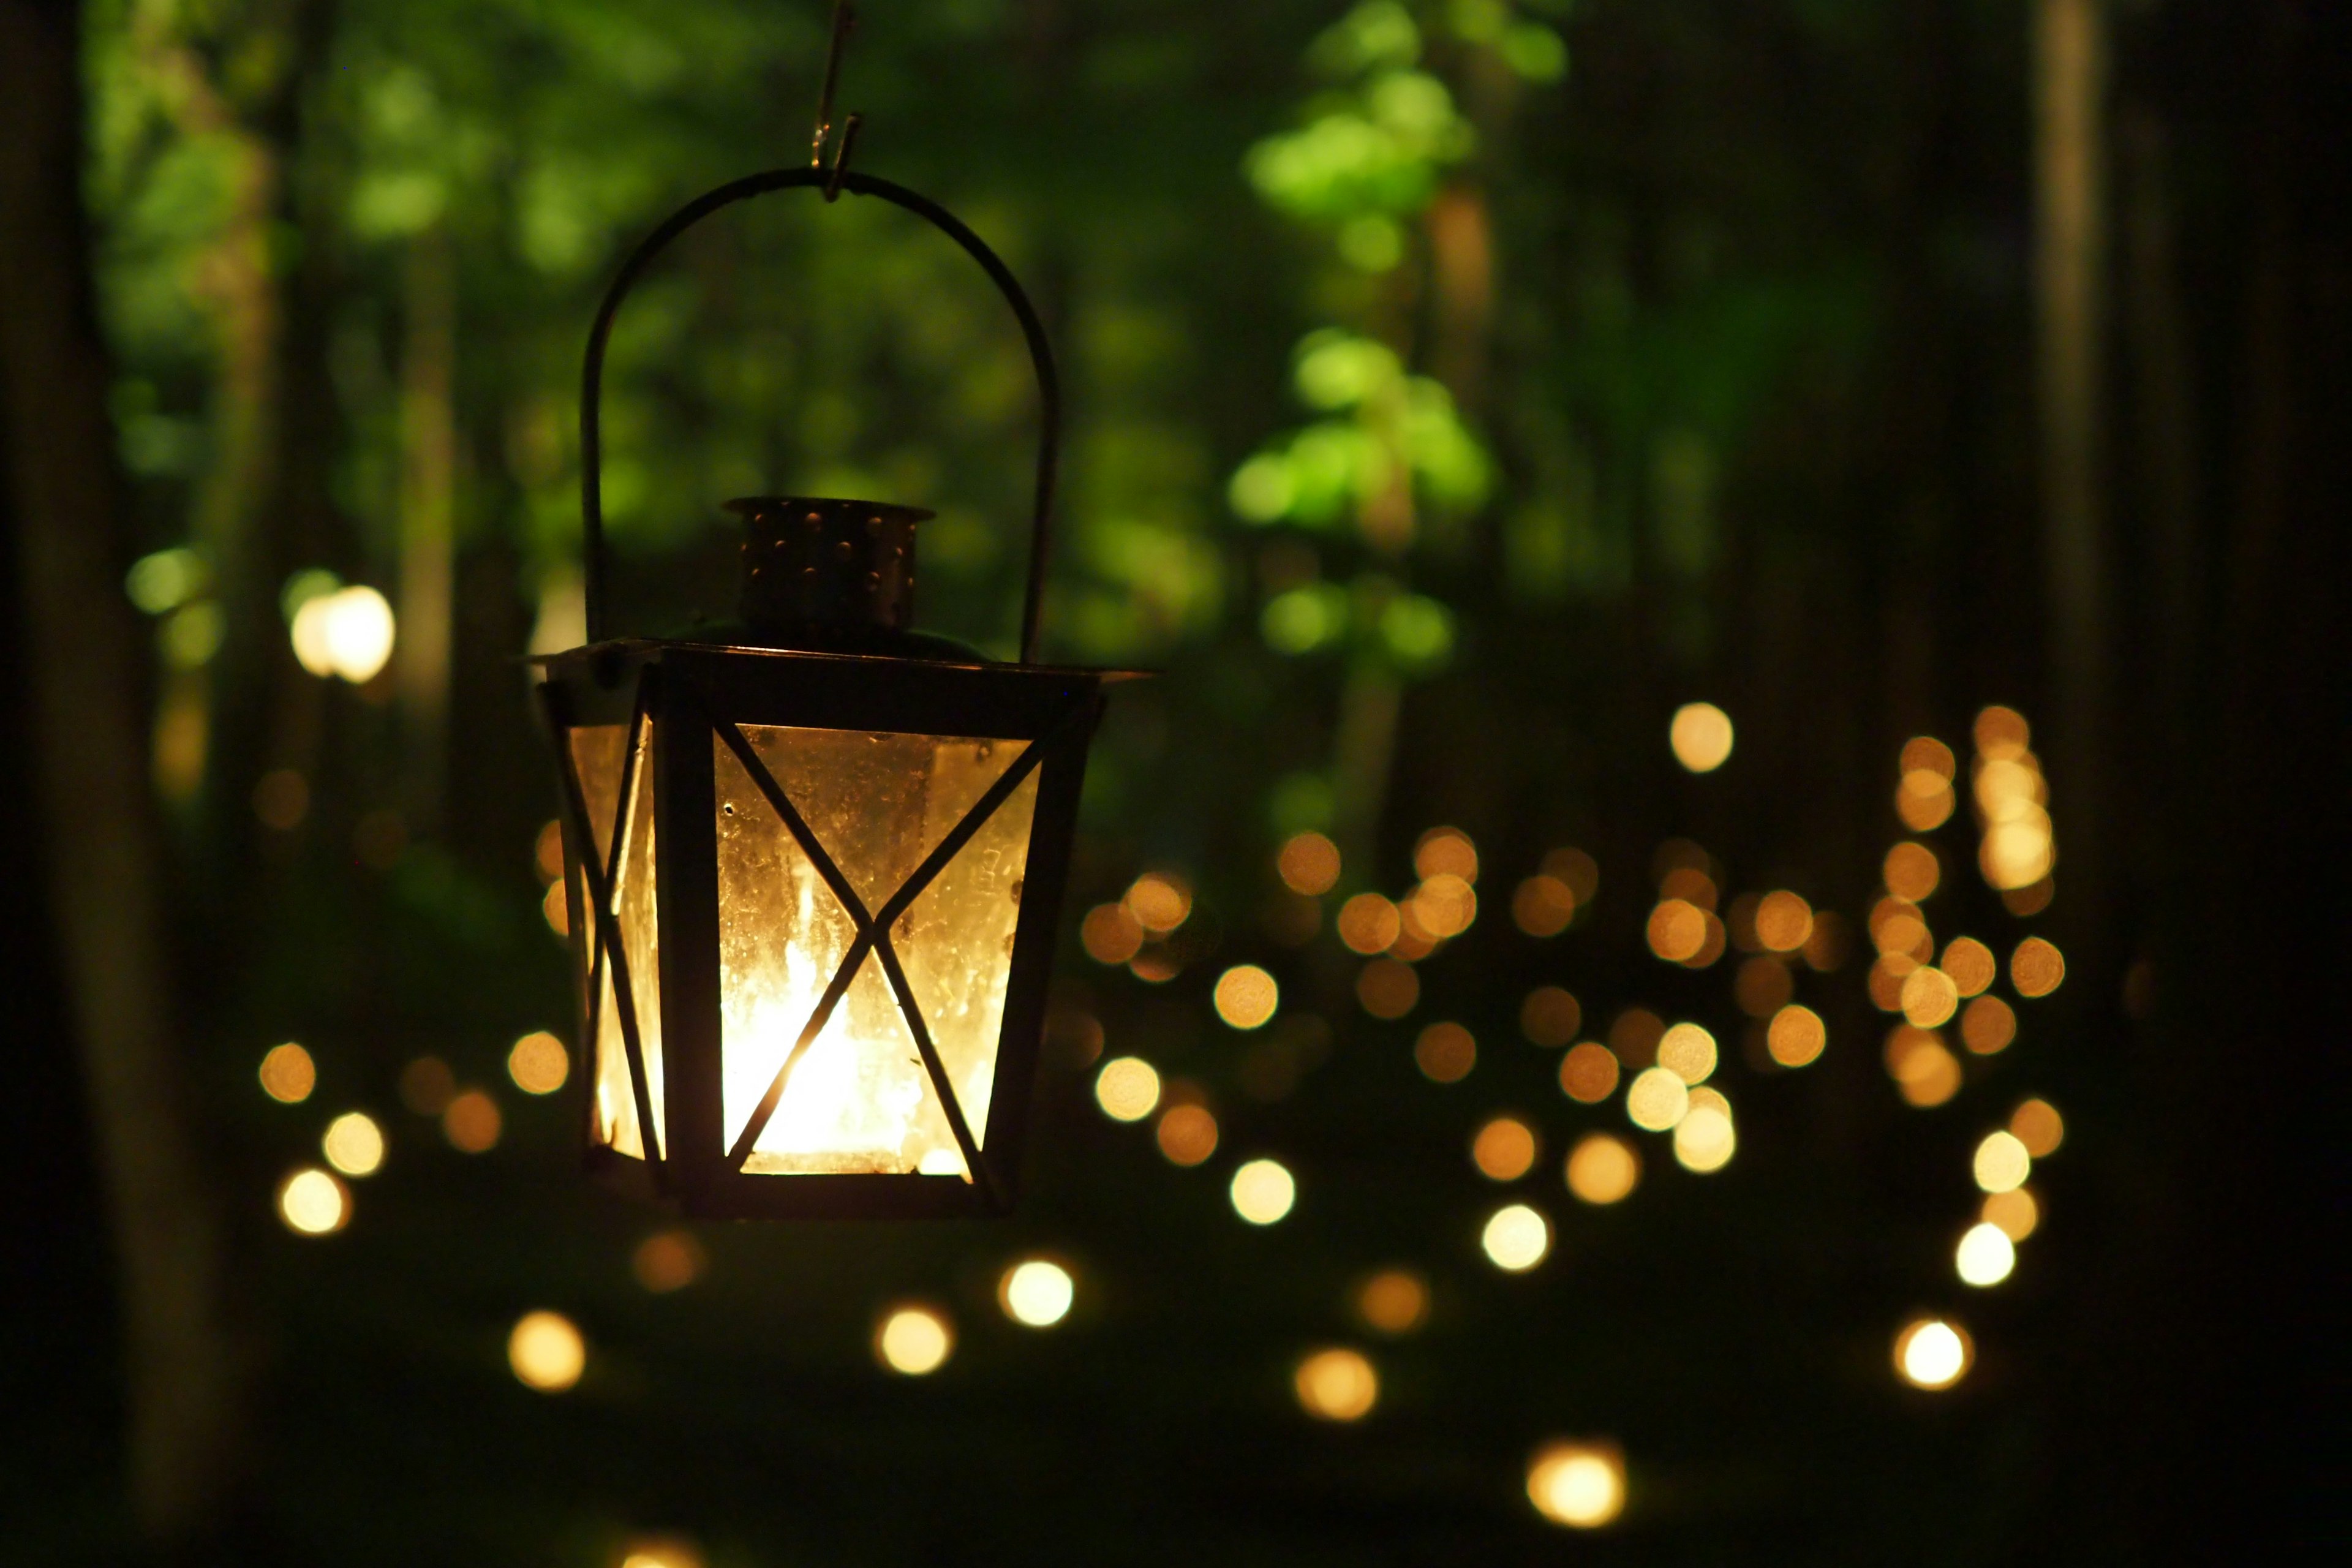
(679, 701)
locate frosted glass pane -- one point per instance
(597, 751)
(600, 751)
(859, 1098)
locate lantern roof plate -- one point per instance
(639, 647)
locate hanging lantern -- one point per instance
(814, 865)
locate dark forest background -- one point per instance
(1456, 389)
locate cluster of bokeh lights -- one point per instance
(1940, 992)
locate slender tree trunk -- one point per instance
(87, 695)
(237, 282)
(428, 537)
(2070, 261)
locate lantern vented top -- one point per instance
(823, 574)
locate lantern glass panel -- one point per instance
(859, 1099)
(600, 751)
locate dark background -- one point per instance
(1735, 308)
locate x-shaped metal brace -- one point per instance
(874, 934)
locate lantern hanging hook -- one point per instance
(844, 17)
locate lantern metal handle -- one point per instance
(1041, 358)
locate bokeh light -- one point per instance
(1925, 753)
(1504, 1149)
(1689, 1052)
(1588, 1074)
(1516, 1239)
(1970, 964)
(1393, 1301)
(1985, 1256)
(1705, 1139)
(1263, 1191)
(2036, 967)
(2001, 1162)
(667, 1261)
(547, 851)
(1925, 801)
(1308, 863)
(1656, 1099)
(347, 633)
(1543, 906)
(1036, 1292)
(313, 1203)
(1923, 1068)
(1160, 900)
(1445, 852)
(1580, 871)
(546, 1352)
(1931, 1354)
(1987, 1025)
(1884, 981)
(1415, 941)
(1110, 934)
(1700, 736)
(1677, 930)
(1911, 871)
(1896, 927)
(1444, 905)
(1336, 1385)
(2017, 1212)
(1187, 1134)
(2016, 851)
(1929, 997)
(1247, 996)
(1550, 1016)
(471, 1122)
(1784, 921)
(354, 1144)
(539, 1063)
(1445, 1053)
(1128, 1089)
(1711, 942)
(1604, 1168)
(2038, 1126)
(914, 1340)
(2030, 899)
(2001, 733)
(287, 1074)
(1368, 923)
(1581, 1485)
(1796, 1036)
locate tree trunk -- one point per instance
(86, 692)
(2070, 262)
(428, 441)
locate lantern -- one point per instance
(815, 863)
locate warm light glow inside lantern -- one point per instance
(814, 859)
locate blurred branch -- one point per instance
(86, 691)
